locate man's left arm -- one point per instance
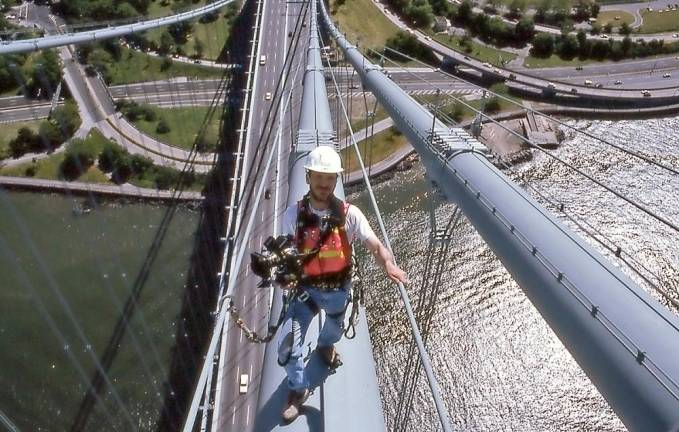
(385, 259)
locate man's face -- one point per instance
(322, 185)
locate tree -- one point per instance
(464, 12)
(46, 73)
(140, 164)
(109, 156)
(582, 38)
(180, 31)
(600, 49)
(524, 30)
(517, 7)
(596, 29)
(568, 47)
(66, 118)
(78, 159)
(626, 45)
(595, 9)
(608, 28)
(166, 177)
(543, 45)
(625, 29)
(166, 43)
(50, 135)
(198, 48)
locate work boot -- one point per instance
(330, 356)
(295, 401)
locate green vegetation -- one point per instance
(161, 123)
(40, 72)
(204, 38)
(568, 47)
(658, 22)
(49, 135)
(8, 131)
(180, 126)
(383, 144)
(608, 17)
(97, 159)
(363, 23)
(481, 52)
(50, 168)
(408, 44)
(554, 60)
(120, 65)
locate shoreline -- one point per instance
(83, 189)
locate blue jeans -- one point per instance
(296, 323)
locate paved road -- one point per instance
(235, 412)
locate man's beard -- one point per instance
(317, 198)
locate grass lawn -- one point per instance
(363, 22)
(48, 168)
(383, 145)
(609, 17)
(360, 122)
(135, 67)
(657, 22)
(481, 52)
(555, 61)
(184, 126)
(213, 35)
(8, 131)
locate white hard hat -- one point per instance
(324, 159)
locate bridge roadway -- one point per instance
(234, 411)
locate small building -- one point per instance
(441, 24)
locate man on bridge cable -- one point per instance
(324, 226)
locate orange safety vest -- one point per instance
(334, 254)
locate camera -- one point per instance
(279, 260)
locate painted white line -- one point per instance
(247, 416)
(233, 415)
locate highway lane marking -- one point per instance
(233, 415)
(247, 416)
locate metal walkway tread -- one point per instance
(347, 400)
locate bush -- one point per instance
(66, 118)
(492, 105)
(166, 177)
(163, 127)
(78, 159)
(109, 156)
(140, 164)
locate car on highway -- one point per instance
(676, 35)
(551, 85)
(243, 383)
(667, 75)
(512, 76)
(262, 60)
(290, 34)
(578, 68)
(598, 85)
(604, 36)
(488, 65)
(267, 96)
(267, 193)
(646, 93)
(588, 82)
(574, 90)
(427, 38)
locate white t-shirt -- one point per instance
(356, 225)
